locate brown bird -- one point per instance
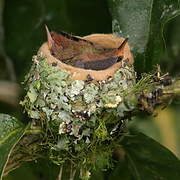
(81, 53)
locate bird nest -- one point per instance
(76, 93)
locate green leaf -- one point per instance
(146, 159)
(11, 130)
(170, 61)
(143, 22)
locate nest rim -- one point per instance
(104, 40)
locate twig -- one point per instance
(9, 92)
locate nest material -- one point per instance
(80, 115)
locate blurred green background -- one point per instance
(21, 34)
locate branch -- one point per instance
(9, 92)
(153, 91)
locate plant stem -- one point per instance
(72, 172)
(60, 173)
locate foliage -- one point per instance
(135, 156)
(145, 158)
(11, 130)
(143, 22)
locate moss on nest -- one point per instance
(80, 117)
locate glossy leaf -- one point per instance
(146, 159)
(171, 61)
(143, 22)
(10, 132)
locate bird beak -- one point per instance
(120, 50)
(49, 38)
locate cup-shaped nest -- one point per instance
(76, 91)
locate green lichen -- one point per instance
(90, 93)
(79, 117)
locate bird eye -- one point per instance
(119, 58)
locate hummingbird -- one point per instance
(81, 53)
